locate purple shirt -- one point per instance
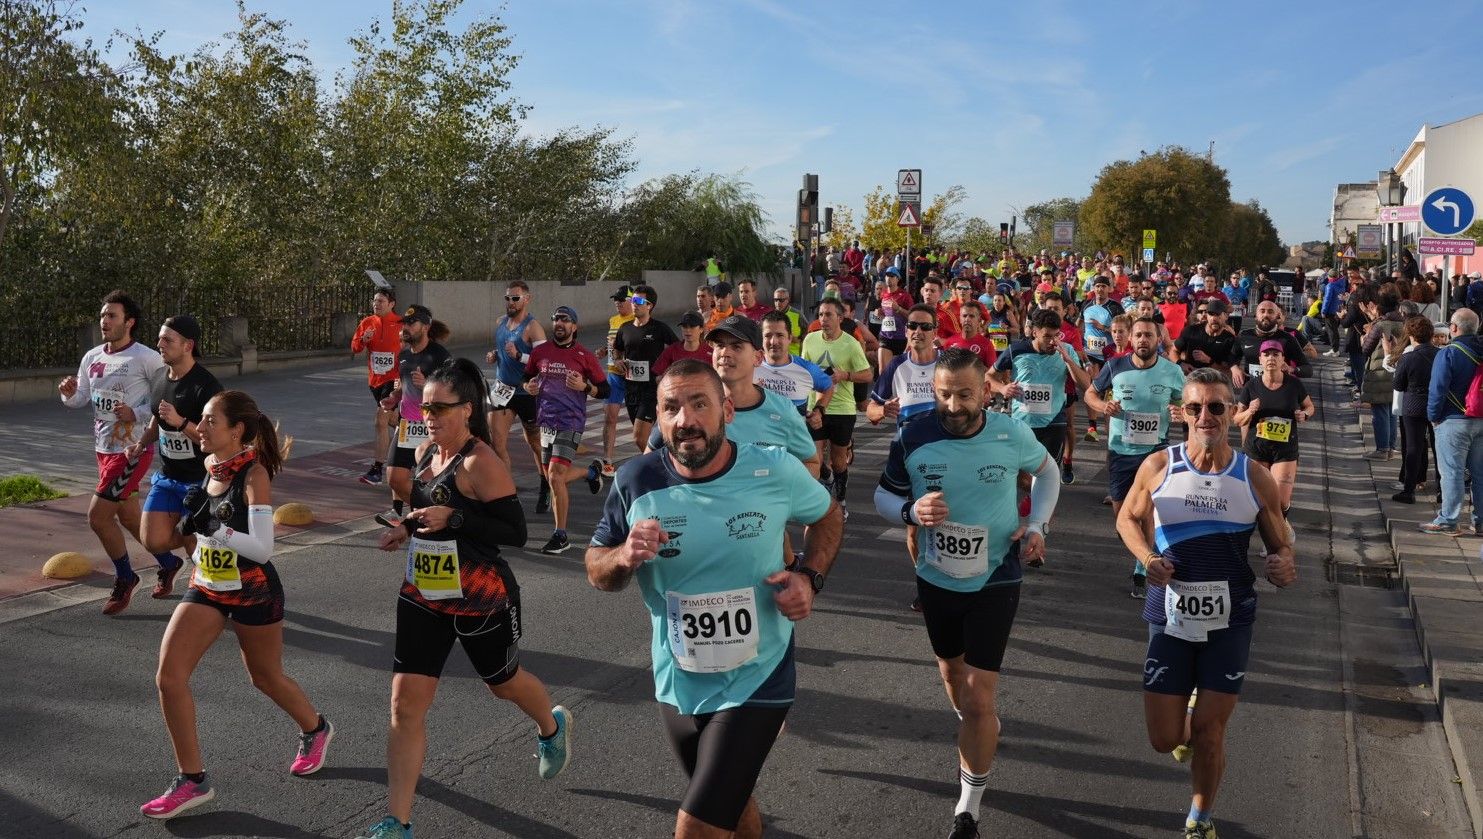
(560, 407)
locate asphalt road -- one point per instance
(869, 746)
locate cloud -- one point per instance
(1291, 156)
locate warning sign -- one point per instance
(911, 215)
(908, 183)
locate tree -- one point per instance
(1039, 226)
(880, 231)
(1183, 196)
(979, 236)
(677, 221)
(844, 231)
(1249, 239)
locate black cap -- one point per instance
(418, 313)
(721, 289)
(623, 293)
(1216, 306)
(692, 318)
(1101, 279)
(739, 326)
(186, 327)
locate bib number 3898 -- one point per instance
(712, 633)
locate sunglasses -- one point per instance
(1216, 409)
(560, 319)
(780, 300)
(919, 325)
(963, 288)
(639, 301)
(437, 409)
(513, 298)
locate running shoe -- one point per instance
(556, 751)
(965, 826)
(555, 545)
(608, 469)
(594, 477)
(844, 509)
(1067, 475)
(1199, 830)
(118, 599)
(375, 476)
(313, 746)
(1439, 528)
(1140, 586)
(916, 604)
(390, 518)
(164, 581)
(387, 828)
(1091, 435)
(543, 499)
(182, 795)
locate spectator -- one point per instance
(1424, 295)
(1413, 374)
(1376, 391)
(1459, 437)
(1357, 321)
(1333, 301)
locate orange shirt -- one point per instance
(383, 346)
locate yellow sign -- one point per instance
(1150, 238)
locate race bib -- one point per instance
(1140, 429)
(382, 362)
(638, 371)
(959, 550)
(410, 434)
(175, 445)
(1193, 610)
(1276, 429)
(1096, 344)
(216, 566)
(548, 436)
(1254, 370)
(500, 393)
(105, 402)
(1036, 398)
(432, 566)
(888, 323)
(1000, 341)
(712, 633)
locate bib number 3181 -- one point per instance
(712, 633)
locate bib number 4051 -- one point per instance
(1200, 605)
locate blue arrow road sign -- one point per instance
(1447, 211)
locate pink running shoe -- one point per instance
(182, 795)
(312, 749)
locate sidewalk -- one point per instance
(1442, 580)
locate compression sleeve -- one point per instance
(257, 543)
(501, 521)
(893, 507)
(1045, 491)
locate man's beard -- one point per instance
(694, 459)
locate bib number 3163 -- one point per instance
(712, 633)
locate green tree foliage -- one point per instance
(979, 236)
(1183, 196)
(677, 221)
(878, 229)
(1037, 228)
(1250, 239)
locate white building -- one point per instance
(1354, 204)
(1444, 155)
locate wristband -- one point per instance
(525, 358)
(909, 513)
(1152, 555)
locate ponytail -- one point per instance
(258, 431)
(439, 332)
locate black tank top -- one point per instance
(230, 508)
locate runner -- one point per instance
(624, 304)
(780, 304)
(228, 524)
(1072, 337)
(746, 293)
(953, 473)
(894, 304)
(700, 524)
(1003, 323)
(1210, 343)
(1096, 323)
(561, 374)
(971, 334)
(721, 310)
(1032, 373)
(176, 420)
(379, 337)
(1134, 392)
(790, 376)
(842, 358)
(458, 587)
(121, 379)
(904, 389)
(1272, 404)
(1267, 326)
(1201, 500)
(637, 346)
(420, 355)
(690, 345)
(514, 337)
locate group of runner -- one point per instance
(750, 402)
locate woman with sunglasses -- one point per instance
(1270, 407)
(458, 587)
(228, 526)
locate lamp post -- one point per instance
(1392, 193)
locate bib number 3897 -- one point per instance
(712, 633)
(959, 550)
(1193, 610)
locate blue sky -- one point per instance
(1016, 103)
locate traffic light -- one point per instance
(1003, 231)
(828, 220)
(808, 206)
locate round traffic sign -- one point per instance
(1447, 211)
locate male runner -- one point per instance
(561, 375)
(1135, 391)
(379, 337)
(516, 334)
(637, 346)
(904, 389)
(841, 357)
(1268, 326)
(720, 311)
(1211, 343)
(623, 303)
(1072, 337)
(700, 524)
(1096, 324)
(953, 473)
(1201, 500)
(1032, 372)
(749, 305)
(418, 358)
(789, 375)
(174, 424)
(121, 379)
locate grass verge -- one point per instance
(23, 489)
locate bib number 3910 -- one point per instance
(1193, 610)
(959, 550)
(712, 633)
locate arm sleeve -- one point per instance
(1045, 491)
(257, 543)
(892, 506)
(501, 521)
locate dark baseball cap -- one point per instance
(623, 293)
(721, 289)
(739, 326)
(418, 313)
(692, 319)
(1216, 306)
(186, 327)
(1101, 279)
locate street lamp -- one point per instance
(1392, 193)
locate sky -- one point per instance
(1017, 103)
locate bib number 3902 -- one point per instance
(1140, 429)
(1193, 610)
(959, 550)
(712, 633)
